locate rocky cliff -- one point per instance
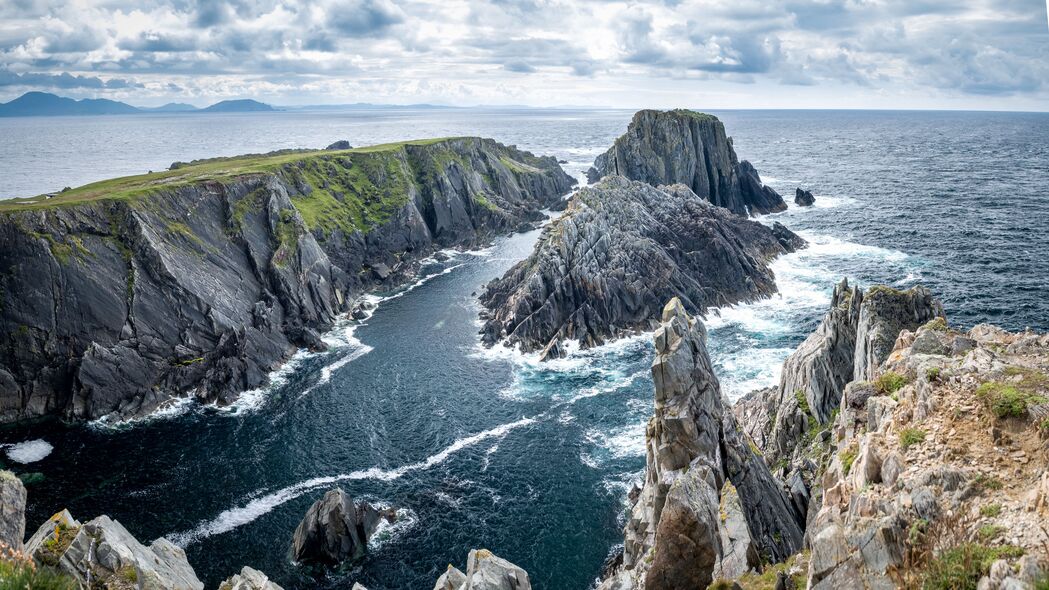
(118, 296)
(689, 148)
(674, 535)
(622, 248)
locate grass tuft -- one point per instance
(889, 382)
(910, 437)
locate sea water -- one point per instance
(488, 447)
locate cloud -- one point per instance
(528, 50)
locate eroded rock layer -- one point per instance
(689, 148)
(622, 249)
(117, 297)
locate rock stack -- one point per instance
(803, 198)
(689, 148)
(334, 530)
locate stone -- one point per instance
(884, 313)
(687, 543)
(249, 578)
(334, 530)
(341, 144)
(803, 198)
(689, 148)
(623, 248)
(451, 579)
(12, 511)
(485, 571)
(891, 468)
(929, 342)
(739, 553)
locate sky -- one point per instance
(718, 54)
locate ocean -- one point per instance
(489, 448)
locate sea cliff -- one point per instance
(117, 297)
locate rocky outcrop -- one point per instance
(101, 553)
(249, 578)
(884, 314)
(121, 296)
(673, 538)
(12, 511)
(334, 530)
(605, 267)
(689, 148)
(484, 571)
(803, 198)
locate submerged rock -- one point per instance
(689, 148)
(335, 529)
(803, 198)
(606, 267)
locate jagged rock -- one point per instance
(690, 148)
(334, 530)
(687, 542)
(886, 312)
(358, 586)
(341, 144)
(803, 198)
(113, 306)
(485, 571)
(12, 511)
(739, 553)
(104, 550)
(451, 579)
(790, 241)
(249, 578)
(606, 267)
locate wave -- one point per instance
(263, 504)
(29, 451)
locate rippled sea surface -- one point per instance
(487, 448)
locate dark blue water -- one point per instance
(489, 448)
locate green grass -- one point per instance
(938, 324)
(910, 437)
(889, 382)
(1008, 400)
(991, 510)
(961, 567)
(18, 572)
(803, 403)
(989, 531)
(848, 457)
(698, 116)
(766, 579)
(53, 548)
(219, 169)
(988, 482)
(932, 374)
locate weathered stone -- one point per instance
(690, 148)
(249, 578)
(451, 579)
(605, 268)
(803, 198)
(687, 543)
(12, 511)
(884, 313)
(334, 530)
(739, 553)
(485, 571)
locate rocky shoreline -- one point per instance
(120, 296)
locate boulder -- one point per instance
(342, 144)
(334, 530)
(12, 511)
(249, 578)
(803, 198)
(485, 571)
(451, 579)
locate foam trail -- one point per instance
(241, 515)
(419, 283)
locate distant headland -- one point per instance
(43, 104)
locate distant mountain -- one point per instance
(44, 104)
(238, 106)
(171, 107)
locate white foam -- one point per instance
(29, 451)
(387, 531)
(618, 443)
(263, 504)
(173, 407)
(418, 283)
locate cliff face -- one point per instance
(621, 249)
(118, 296)
(689, 148)
(674, 537)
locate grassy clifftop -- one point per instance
(332, 189)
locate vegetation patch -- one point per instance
(988, 482)
(52, 549)
(803, 403)
(1006, 400)
(19, 572)
(991, 510)
(938, 324)
(889, 382)
(848, 457)
(766, 580)
(989, 531)
(910, 437)
(961, 567)
(932, 374)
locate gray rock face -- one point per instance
(451, 579)
(803, 198)
(116, 306)
(739, 552)
(673, 538)
(689, 148)
(622, 249)
(102, 552)
(249, 578)
(12, 511)
(884, 314)
(334, 530)
(485, 571)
